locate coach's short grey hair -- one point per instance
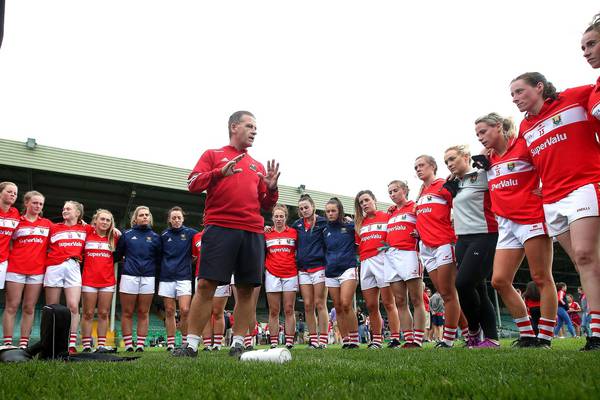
(236, 118)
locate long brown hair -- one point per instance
(340, 207)
(358, 213)
(533, 79)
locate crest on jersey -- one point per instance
(429, 197)
(148, 239)
(379, 226)
(134, 238)
(556, 120)
(510, 166)
(169, 240)
(403, 217)
(253, 167)
(473, 178)
(182, 236)
(343, 230)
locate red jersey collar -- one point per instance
(236, 150)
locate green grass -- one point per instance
(562, 372)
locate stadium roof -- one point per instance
(45, 158)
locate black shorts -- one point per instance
(227, 252)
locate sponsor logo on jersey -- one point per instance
(548, 142)
(134, 238)
(169, 240)
(225, 159)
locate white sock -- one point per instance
(193, 341)
(237, 339)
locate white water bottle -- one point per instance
(278, 356)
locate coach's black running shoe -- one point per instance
(374, 346)
(526, 341)
(236, 350)
(129, 349)
(312, 346)
(139, 349)
(86, 350)
(591, 343)
(345, 346)
(351, 346)
(443, 345)
(289, 346)
(184, 352)
(393, 344)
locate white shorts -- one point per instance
(275, 284)
(349, 274)
(3, 268)
(25, 279)
(136, 284)
(175, 289)
(371, 273)
(512, 235)
(65, 275)
(580, 203)
(311, 278)
(434, 257)
(90, 289)
(401, 265)
(222, 290)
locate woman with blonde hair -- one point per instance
(98, 279)
(63, 269)
(9, 220)
(25, 272)
(142, 250)
(514, 190)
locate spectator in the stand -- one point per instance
(585, 312)
(361, 325)
(574, 310)
(436, 303)
(531, 296)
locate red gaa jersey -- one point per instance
(8, 223)
(98, 261)
(562, 142)
(234, 201)
(401, 224)
(66, 242)
(433, 215)
(372, 235)
(281, 252)
(196, 245)
(30, 245)
(512, 179)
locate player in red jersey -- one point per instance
(556, 124)
(63, 271)
(402, 268)
(371, 232)
(437, 242)
(98, 279)
(513, 184)
(9, 220)
(281, 276)
(26, 261)
(590, 44)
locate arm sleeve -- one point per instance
(203, 173)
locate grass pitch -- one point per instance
(505, 373)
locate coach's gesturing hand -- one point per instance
(230, 169)
(272, 175)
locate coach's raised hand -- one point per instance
(272, 174)
(230, 169)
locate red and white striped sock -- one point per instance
(207, 341)
(323, 339)
(377, 339)
(314, 339)
(345, 340)
(128, 339)
(101, 341)
(465, 332)
(546, 328)
(73, 339)
(141, 341)
(408, 336)
(395, 335)
(289, 340)
(248, 340)
(218, 340)
(183, 339)
(353, 337)
(595, 323)
(525, 327)
(8, 340)
(86, 341)
(170, 341)
(449, 334)
(274, 340)
(24, 341)
(418, 337)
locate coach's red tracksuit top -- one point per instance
(234, 201)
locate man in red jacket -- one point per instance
(237, 188)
